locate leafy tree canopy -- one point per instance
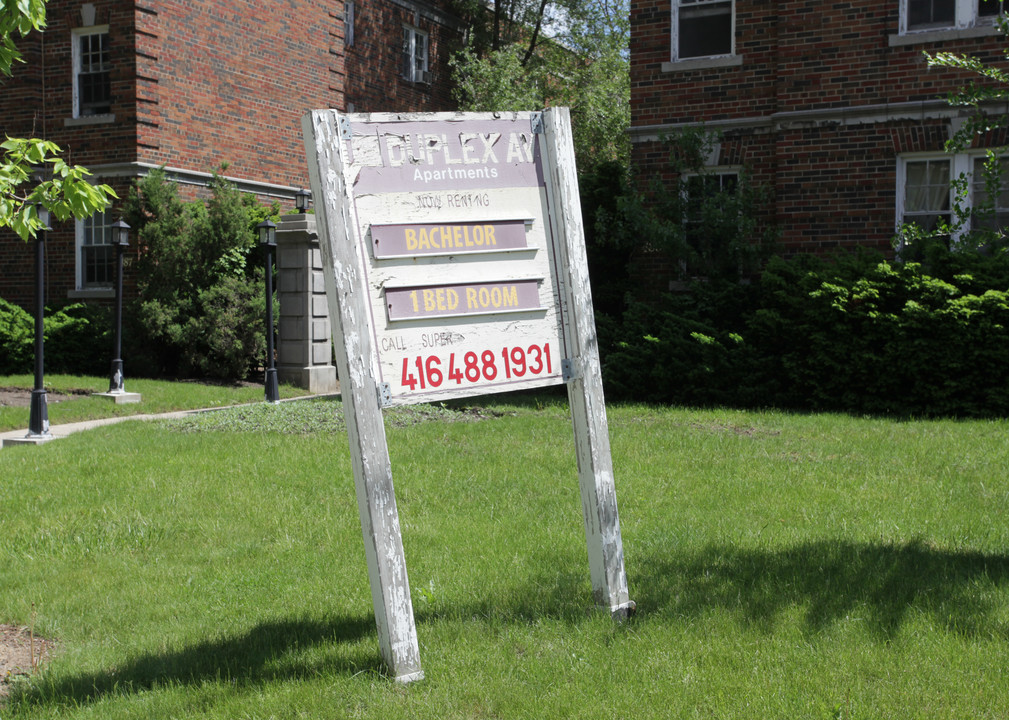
(530, 54)
(32, 172)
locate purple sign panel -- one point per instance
(461, 300)
(411, 240)
(415, 156)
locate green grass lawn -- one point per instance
(784, 566)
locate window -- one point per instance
(926, 199)
(348, 23)
(928, 193)
(415, 48)
(702, 28)
(95, 253)
(702, 194)
(92, 82)
(990, 195)
(938, 14)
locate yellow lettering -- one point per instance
(446, 236)
(478, 235)
(453, 299)
(413, 296)
(425, 241)
(484, 297)
(411, 239)
(471, 298)
(440, 296)
(490, 234)
(457, 236)
(511, 296)
(430, 303)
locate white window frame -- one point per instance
(967, 17)
(76, 35)
(961, 164)
(412, 70)
(675, 39)
(81, 227)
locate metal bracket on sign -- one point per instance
(568, 369)
(385, 394)
(344, 126)
(537, 123)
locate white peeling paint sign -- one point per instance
(456, 251)
(454, 260)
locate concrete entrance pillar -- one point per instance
(305, 347)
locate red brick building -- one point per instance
(829, 104)
(124, 87)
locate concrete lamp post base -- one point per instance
(120, 397)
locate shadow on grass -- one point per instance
(831, 580)
(271, 651)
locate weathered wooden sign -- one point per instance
(455, 266)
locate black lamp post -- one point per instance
(301, 200)
(121, 240)
(268, 239)
(38, 414)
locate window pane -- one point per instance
(990, 214)
(94, 85)
(929, 13)
(989, 8)
(705, 29)
(927, 193)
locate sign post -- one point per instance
(455, 266)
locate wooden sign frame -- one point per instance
(446, 274)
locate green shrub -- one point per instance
(17, 339)
(200, 304)
(857, 334)
(77, 339)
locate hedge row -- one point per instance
(78, 339)
(859, 335)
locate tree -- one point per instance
(31, 170)
(530, 54)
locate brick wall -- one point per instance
(809, 110)
(197, 83)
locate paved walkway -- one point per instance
(62, 431)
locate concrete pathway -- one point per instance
(62, 431)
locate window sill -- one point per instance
(92, 294)
(89, 120)
(702, 63)
(920, 37)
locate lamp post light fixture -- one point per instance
(38, 416)
(301, 200)
(268, 239)
(120, 240)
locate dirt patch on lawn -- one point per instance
(20, 654)
(21, 397)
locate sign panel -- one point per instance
(458, 253)
(455, 265)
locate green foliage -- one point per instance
(858, 335)
(18, 17)
(17, 337)
(77, 339)
(200, 304)
(583, 64)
